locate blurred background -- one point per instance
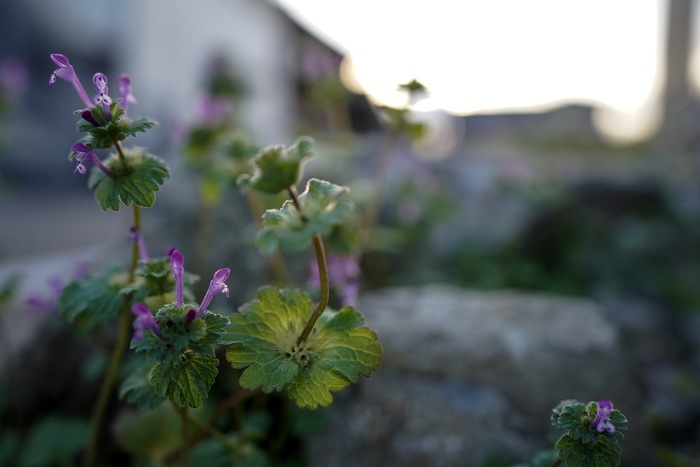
(542, 147)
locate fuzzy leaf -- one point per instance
(322, 209)
(95, 300)
(265, 337)
(134, 181)
(186, 382)
(277, 169)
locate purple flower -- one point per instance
(102, 97)
(178, 271)
(601, 422)
(125, 91)
(84, 154)
(144, 320)
(140, 242)
(66, 72)
(216, 286)
(89, 117)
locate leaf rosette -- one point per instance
(265, 343)
(117, 128)
(185, 366)
(323, 208)
(276, 168)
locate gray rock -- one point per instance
(469, 376)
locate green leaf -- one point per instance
(149, 433)
(133, 180)
(55, 441)
(277, 169)
(138, 390)
(95, 300)
(265, 337)
(322, 208)
(186, 382)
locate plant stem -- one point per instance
(120, 152)
(184, 461)
(110, 377)
(388, 148)
(556, 463)
(275, 261)
(213, 432)
(325, 289)
(322, 273)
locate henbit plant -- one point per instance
(282, 340)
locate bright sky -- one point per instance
(502, 55)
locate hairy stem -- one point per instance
(120, 152)
(325, 289)
(322, 273)
(110, 377)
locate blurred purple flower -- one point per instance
(102, 97)
(343, 274)
(84, 155)
(125, 91)
(213, 110)
(43, 305)
(137, 237)
(601, 422)
(144, 320)
(320, 63)
(66, 72)
(14, 78)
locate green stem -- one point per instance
(275, 261)
(322, 273)
(184, 415)
(119, 151)
(110, 377)
(325, 289)
(213, 432)
(386, 153)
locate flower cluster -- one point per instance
(144, 317)
(65, 71)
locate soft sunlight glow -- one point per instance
(501, 56)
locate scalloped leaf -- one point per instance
(322, 208)
(95, 300)
(186, 382)
(265, 337)
(134, 181)
(277, 169)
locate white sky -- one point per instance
(503, 55)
